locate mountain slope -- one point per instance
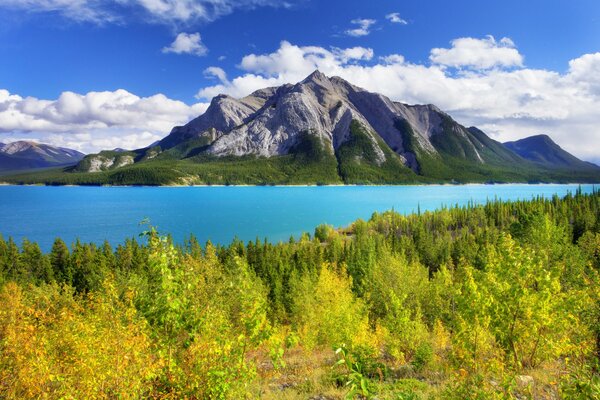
(542, 150)
(319, 130)
(28, 155)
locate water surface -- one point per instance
(93, 214)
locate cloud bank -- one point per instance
(94, 121)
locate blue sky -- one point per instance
(502, 65)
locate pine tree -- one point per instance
(60, 261)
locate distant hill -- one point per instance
(542, 150)
(24, 155)
(322, 130)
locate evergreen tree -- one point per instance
(60, 261)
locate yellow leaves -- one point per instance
(92, 350)
(440, 338)
(211, 367)
(327, 313)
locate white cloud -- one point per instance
(506, 103)
(105, 119)
(478, 53)
(216, 72)
(363, 29)
(159, 11)
(187, 43)
(586, 70)
(353, 53)
(77, 10)
(396, 19)
(392, 59)
(289, 64)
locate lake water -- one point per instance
(93, 214)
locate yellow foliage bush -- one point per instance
(327, 313)
(57, 345)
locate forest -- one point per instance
(493, 301)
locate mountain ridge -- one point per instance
(320, 130)
(24, 154)
(541, 149)
(326, 106)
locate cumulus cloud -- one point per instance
(216, 72)
(187, 43)
(94, 121)
(362, 29)
(586, 70)
(353, 53)
(508, 103)
(392, 59)
(288, 64)
(396, 19)
(478, 53)
(159, 11)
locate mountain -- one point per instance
(320, 130)
(361, 129)
(542, 150)
(23, 155)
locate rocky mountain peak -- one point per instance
(18, 146)
(220, 98)
(316, 77)
(271, 121)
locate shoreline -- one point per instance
(312, 185)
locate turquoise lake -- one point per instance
(93, 214)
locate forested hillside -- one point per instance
(493, 301)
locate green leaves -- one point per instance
(356, 383)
